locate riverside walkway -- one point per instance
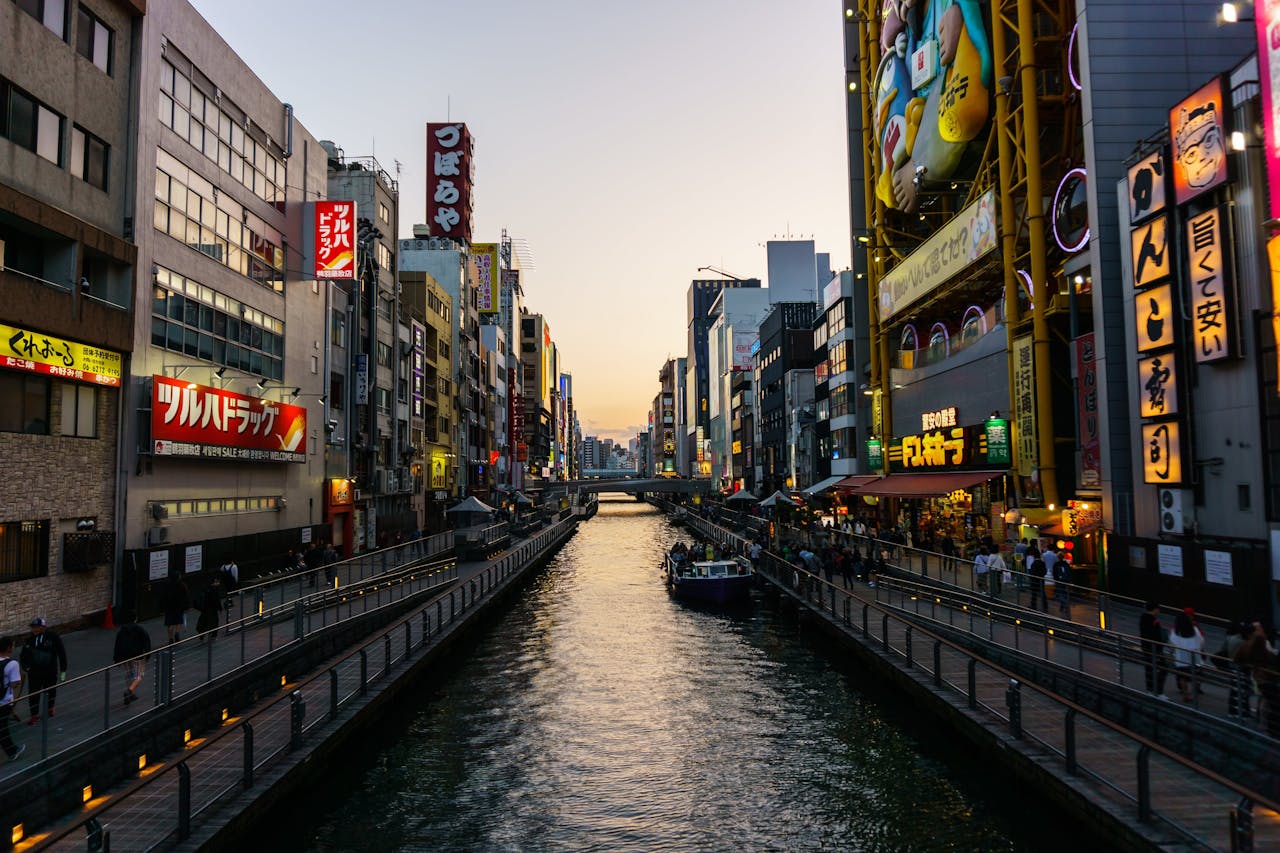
(1164, 771)
(248, 701)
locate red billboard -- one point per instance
(449, 176)
(336, 239)
(209, 423)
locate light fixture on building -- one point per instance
(293, 395)
(1237, 137)
(262, 384)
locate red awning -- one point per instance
(926, 485)
(857, 481)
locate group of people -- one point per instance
(43, 658)
(833, 558)
(176, 600)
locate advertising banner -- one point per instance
(999, 447)
(1148, 186)
(1153, 313)
(1213, 324)
(1266, 15)
(1162, 453)
(1158, 386)
(1198, 134)
(1152, 259)
(1087, 412)
(968, 236)
(484, 263)
(743, 343)
(335, 239)
(210, 423)
(1024, 405)
(23, 349)
(449, 148)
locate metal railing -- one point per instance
(91, 704)
(160, 807)
(1087, 744)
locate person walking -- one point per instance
(45, 660)
(10, 690)
(1061, 569)
(996, 570)
(133, 648)
(1188, 651)
(176, 601)
(1037, 570)
(1238, 691)
(981, 582)
(1256, 656)
(210, 607)
(1153, 636)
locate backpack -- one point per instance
(1038, 568)
(1062, 570)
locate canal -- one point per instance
(600, 714)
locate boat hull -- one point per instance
(711, 590)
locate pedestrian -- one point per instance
(313, 559)
(175, 602)
(210, 607)
(10, 690)
(980, 567)
(947, 547)
(230, 576)
(330, 558)
(1061, 569)
(1153, 636)
(45, 660)
(1188, 648)
(1224, 658)
(997, 571)
(1037, 570)
(133, 647)
(1256, 655)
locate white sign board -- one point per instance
(159, 569)
(1170, 560)
(1217, 567)
(194, 559)
(306, 535)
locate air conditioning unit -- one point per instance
(157, 536)
(159, 511)
(1175, 510)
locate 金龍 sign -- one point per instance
(211, 423)
(335, 239)
(1197, 133)
(23, 349)
(484, 262)
(449, 181)
(1212, 317)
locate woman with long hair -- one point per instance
(1188, 651)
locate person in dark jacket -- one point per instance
(1154, 657)
(176, 602)
(210, 607)
(45, 660)
(133, 647)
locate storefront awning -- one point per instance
(857, 481)
(818, 488)
(926, 485)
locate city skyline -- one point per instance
(576, 158)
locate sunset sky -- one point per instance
(627, 143)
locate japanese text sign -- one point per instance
(1212, 320)
(1148, 193)
(198, 421)
(449, 179)
(484, 263)
(1087, 411)
(1197, 132)
(1152, 259)
(1162, 453)
(1024, 405)
(23, 349)
(1158, 386)
(1266, 14)
(335, 239)
(1153, 312)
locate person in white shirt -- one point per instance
(10, 689)
(980, 569)
(995, 571)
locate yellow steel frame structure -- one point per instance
(1026, 36)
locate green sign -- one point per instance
(999, 448)
(875, 455)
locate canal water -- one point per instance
(600, 714)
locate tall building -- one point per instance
(67, 272)
(431, 309)
(784, 360)
(223, 447)
(736, 315)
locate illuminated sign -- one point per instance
(1153, 312)
(999, 446)
(335, 238)
(939, 419)
(1152, 259)
(1070, 525)
(1024, 405)
(952, 448)
(1148, 187)
(1087, 412)
(1266, 14)
(1158, 386)
(965, 238)
(875, 454)
(1162, 453)
(1212, 315)
(484, 263)
(449, 150)
(1197, 131)
(23, 349)
(213, 423)
(340, 493)
(1273, 261)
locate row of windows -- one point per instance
(25, 405)
(840, 402)
(95, 41)
(24, 550)
(220, 506)
(188, 208)
(196, 320)
(438, 305)
(206, 122)
(27, 122)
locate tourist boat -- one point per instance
(678, 516)
(713, 581)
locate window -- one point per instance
(337, 391)
(94, 39)
(384, 257)
(79, 410)
(29, 123)
(24, 403)
(338, 329)
(51, 13)
(384, 354)
(88, 158)
(384, 213)
(24, 550)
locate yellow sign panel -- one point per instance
(1211, 317)
(1024, 405)
(1153, 313)
(23, 349)
(1151, 256)
(1273, 257)
(1070, 525)
(1162, 453)
(1158, 385)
